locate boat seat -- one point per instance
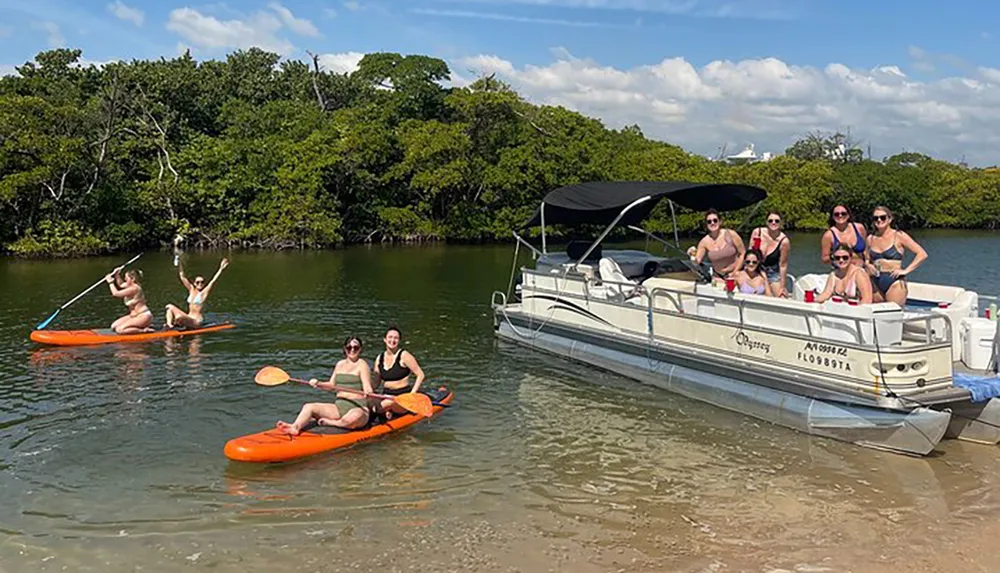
(610, 273)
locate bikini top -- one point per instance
(849, 291)
(397, 372)
(773, 259)
(138, 298)
(196, 299)
(859, 246)
(747, 288)
(890, 254)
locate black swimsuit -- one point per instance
(396, 373)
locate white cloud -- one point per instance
(258, 30)
(769, 102)
(7, 70)
(53, 36)
(353, 5)
(511, 18)
(127, 13)
(757, 10)
(342, 63)
(300, 26)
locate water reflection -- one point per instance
(113, 454)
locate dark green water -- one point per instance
(111, 457)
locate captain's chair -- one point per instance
(610, 272)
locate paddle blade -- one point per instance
(44, 323)
(271, 376)
(416, 403)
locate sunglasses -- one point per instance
(751, 262)
(352, 348)
(842, 258)
(880, 217)
(711, 221)
(840, 213)
(775, 221)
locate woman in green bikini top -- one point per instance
(352, 380)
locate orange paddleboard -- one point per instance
(106, 335)
(276, 446)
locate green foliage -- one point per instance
(254, 151)
(58, 239)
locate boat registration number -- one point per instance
(826, 356)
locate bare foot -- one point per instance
(287, 428)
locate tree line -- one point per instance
(257, 152)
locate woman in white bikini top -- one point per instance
(198, 293)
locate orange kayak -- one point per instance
(106, 335)
(276, 446)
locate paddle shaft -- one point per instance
(352, 390)
(46, 322)
(98, 283)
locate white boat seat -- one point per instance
(610, 273)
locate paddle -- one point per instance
(414, 402)
(44, 323)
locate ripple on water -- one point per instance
(113, 454)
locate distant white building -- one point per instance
(748, 155)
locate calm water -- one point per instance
(111, 457)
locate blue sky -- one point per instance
(756, 64)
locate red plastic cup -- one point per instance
(730, 285)
(756, 243)
(987, 313)
(810, 295)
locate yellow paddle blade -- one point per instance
(271, 376)
(416, 403)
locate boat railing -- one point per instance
(805, 313)
(502, 296)
(805, 310)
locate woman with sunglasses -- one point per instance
(352, 381)
(197, 295)
(886, 247)
(847, 281)
(393, 368)
(723, 247)
(843, 231)
(775, 243)
(752, 280)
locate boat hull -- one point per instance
(915, 431)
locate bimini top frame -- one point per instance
(612, 203)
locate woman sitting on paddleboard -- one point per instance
(393, 368)
(197, 295)
(350, 409)
(139, 316)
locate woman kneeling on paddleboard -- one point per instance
(139, 316)
(396, 378)
(350, 410)
(197, 295)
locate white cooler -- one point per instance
(977, 341)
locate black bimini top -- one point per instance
(600, 202)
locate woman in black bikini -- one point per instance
(393, 369)
(775, 243)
